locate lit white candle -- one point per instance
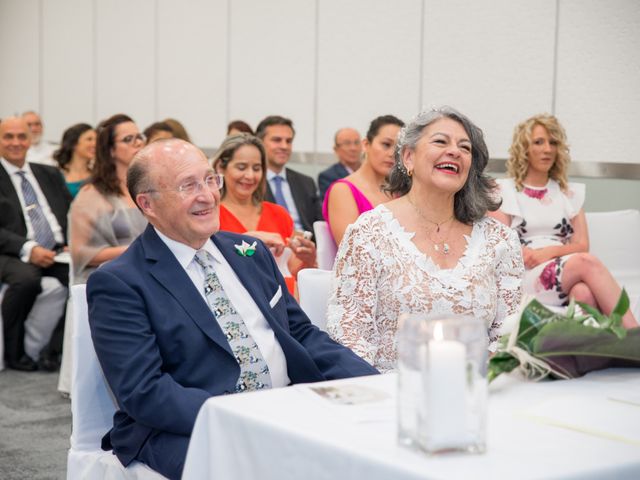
(446, 394)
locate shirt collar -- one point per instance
(184, 253)
(12, 169)
(271, 175)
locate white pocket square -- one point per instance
(276, 297)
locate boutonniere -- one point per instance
(245, 249)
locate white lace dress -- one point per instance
(380, 274)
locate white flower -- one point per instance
(245, 249)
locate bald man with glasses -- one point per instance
(348, 148)
(189, 312)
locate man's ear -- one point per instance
(143, 201)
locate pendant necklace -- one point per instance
(445, 245)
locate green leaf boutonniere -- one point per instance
(245, 249)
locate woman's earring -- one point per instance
(409, 172)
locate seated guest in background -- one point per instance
(294, 191)
(347, 198)
(158, 131)
(430, 250)
(178, 129)
(242, 161)
(34, 202)
(104, 220)
(348, 149)
(238, 126)
(40, 150)
(546, 212)
(75, 155)
(182, 315)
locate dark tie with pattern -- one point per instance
(41, 229)
(278, 195)
(254, 371)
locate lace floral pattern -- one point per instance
(380, 274)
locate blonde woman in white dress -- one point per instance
(431, 249)
(546, 210)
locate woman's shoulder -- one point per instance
(494, 229)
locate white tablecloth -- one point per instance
(586, 428)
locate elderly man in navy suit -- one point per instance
(348, 148)
(188, 312)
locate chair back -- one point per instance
(326, 247)
(613, 238)
(92, 405)
(314, 286)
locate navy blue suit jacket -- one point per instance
(162, 351)
(330, 175)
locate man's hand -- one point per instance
(42, 257)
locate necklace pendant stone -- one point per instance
(445, 248)
(436, 247)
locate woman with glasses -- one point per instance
(103, 218)
(361, 191)
(242, 160)
(74, 157)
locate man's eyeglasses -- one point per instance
(354, 143)
(133, 138)
(213, 182)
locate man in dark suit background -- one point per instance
(290, 189)
(188, 312)
(34, 202)
(348, 148)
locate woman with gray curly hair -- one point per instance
(545, 209)
(431, 249)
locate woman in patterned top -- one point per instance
(431, 249)
(546, 211)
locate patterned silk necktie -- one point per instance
(254, 371)
(279, 196)
(41, 229)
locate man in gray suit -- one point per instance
(290, 189)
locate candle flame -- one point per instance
(438, 333)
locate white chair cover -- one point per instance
(613, 238)
(326, 247)
(92, 408)
(314, 286)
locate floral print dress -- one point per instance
(542, 217)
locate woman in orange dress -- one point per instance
(242, 160)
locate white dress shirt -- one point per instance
(12, 170)
(253, 318)
(286, 191)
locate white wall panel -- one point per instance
(67, 65)
(192, 67)
(125, 59)
(368, 63)
(272, 48)
(492, 60)
(598, 87)
(20, 55)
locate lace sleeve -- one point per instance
(352, 305)
(509, 271)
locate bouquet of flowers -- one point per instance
(548, 344)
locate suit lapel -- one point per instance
(245, 268)
(299, 196)
(170, 274)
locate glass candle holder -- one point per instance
(442, 383)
